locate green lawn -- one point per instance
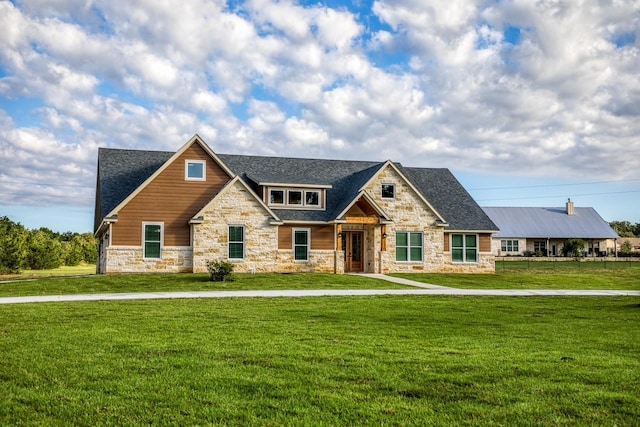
(323, 361)
(187, 282)
(540, 276)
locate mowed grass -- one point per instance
(323, 361)
(188, 282)
(541, 276)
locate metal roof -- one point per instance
(549, 223)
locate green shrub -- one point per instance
(220, 271)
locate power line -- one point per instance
(557, 196)
(553, 185)
(55, 196)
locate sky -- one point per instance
(528, 103)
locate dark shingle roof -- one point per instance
(524, 222)
(120, 172)
(449, 198)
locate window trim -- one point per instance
(289, 192)
(465, 248)
(304, 198)
(393, 187)
(144, 241)
(308, 245)
(513, 243)
(204, 170)
(284, 197)
(409, 246)
(229, 242)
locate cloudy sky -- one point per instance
(527, 102)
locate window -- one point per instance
(388, 191)
(312, 198)
(276, 197)
(152, 240)
(301, 245)
(408, 246)
(295, 197)
(195, 170)
(464, 248)
(509, 246)
(236, 242)
(540, 246)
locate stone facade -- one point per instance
(175, 259)
(408, 213)
(235, 205)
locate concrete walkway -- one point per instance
(308, 293)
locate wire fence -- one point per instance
(565, 264)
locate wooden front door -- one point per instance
(352, 243)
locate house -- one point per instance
(174, 212)
(634, 244)
(544, 231)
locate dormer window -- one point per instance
(296, 198)
(312, 198)
(388, 191)
(195, 170)
(276, 197)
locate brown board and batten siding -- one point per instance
(170, 199)
(322, 236)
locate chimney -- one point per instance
(569, 207)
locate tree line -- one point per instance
(625, 228)
(21, 248)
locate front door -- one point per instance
(353, 250)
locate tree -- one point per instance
(626, 247)
(573, 248)
(625, 228)
(44, 250)
(13, 246)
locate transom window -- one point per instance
(296, 198)
(408, 246)
(152, 240)
(509, 246)
(301, 244)
(464, 248)
(195, 170)
(236, 242)
(388, 191)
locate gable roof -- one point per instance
(121, 173)
(523, 222)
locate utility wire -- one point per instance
(551, 197)
(552, 185)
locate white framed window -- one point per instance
(236, 242)
(152, 238)
(509, 246)
(276, 197)
(388, 191)
(409, 246)
(464, 248)
(301, 244)
(312, 198)
(294, 197)
(195, 170)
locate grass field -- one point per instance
(323, 361)
(187, 282)
(541, 275)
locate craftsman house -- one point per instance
(544, 231)
(174, 212)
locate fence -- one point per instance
(565, 264)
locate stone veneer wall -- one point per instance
(125, 259)
(409, 213)
(320, 261)
(236, 206)
(486, 264)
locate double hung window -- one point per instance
(236, 242)
(152, 240)
(509, 246)
(301, 244)
(464, 248)
(409, 246)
